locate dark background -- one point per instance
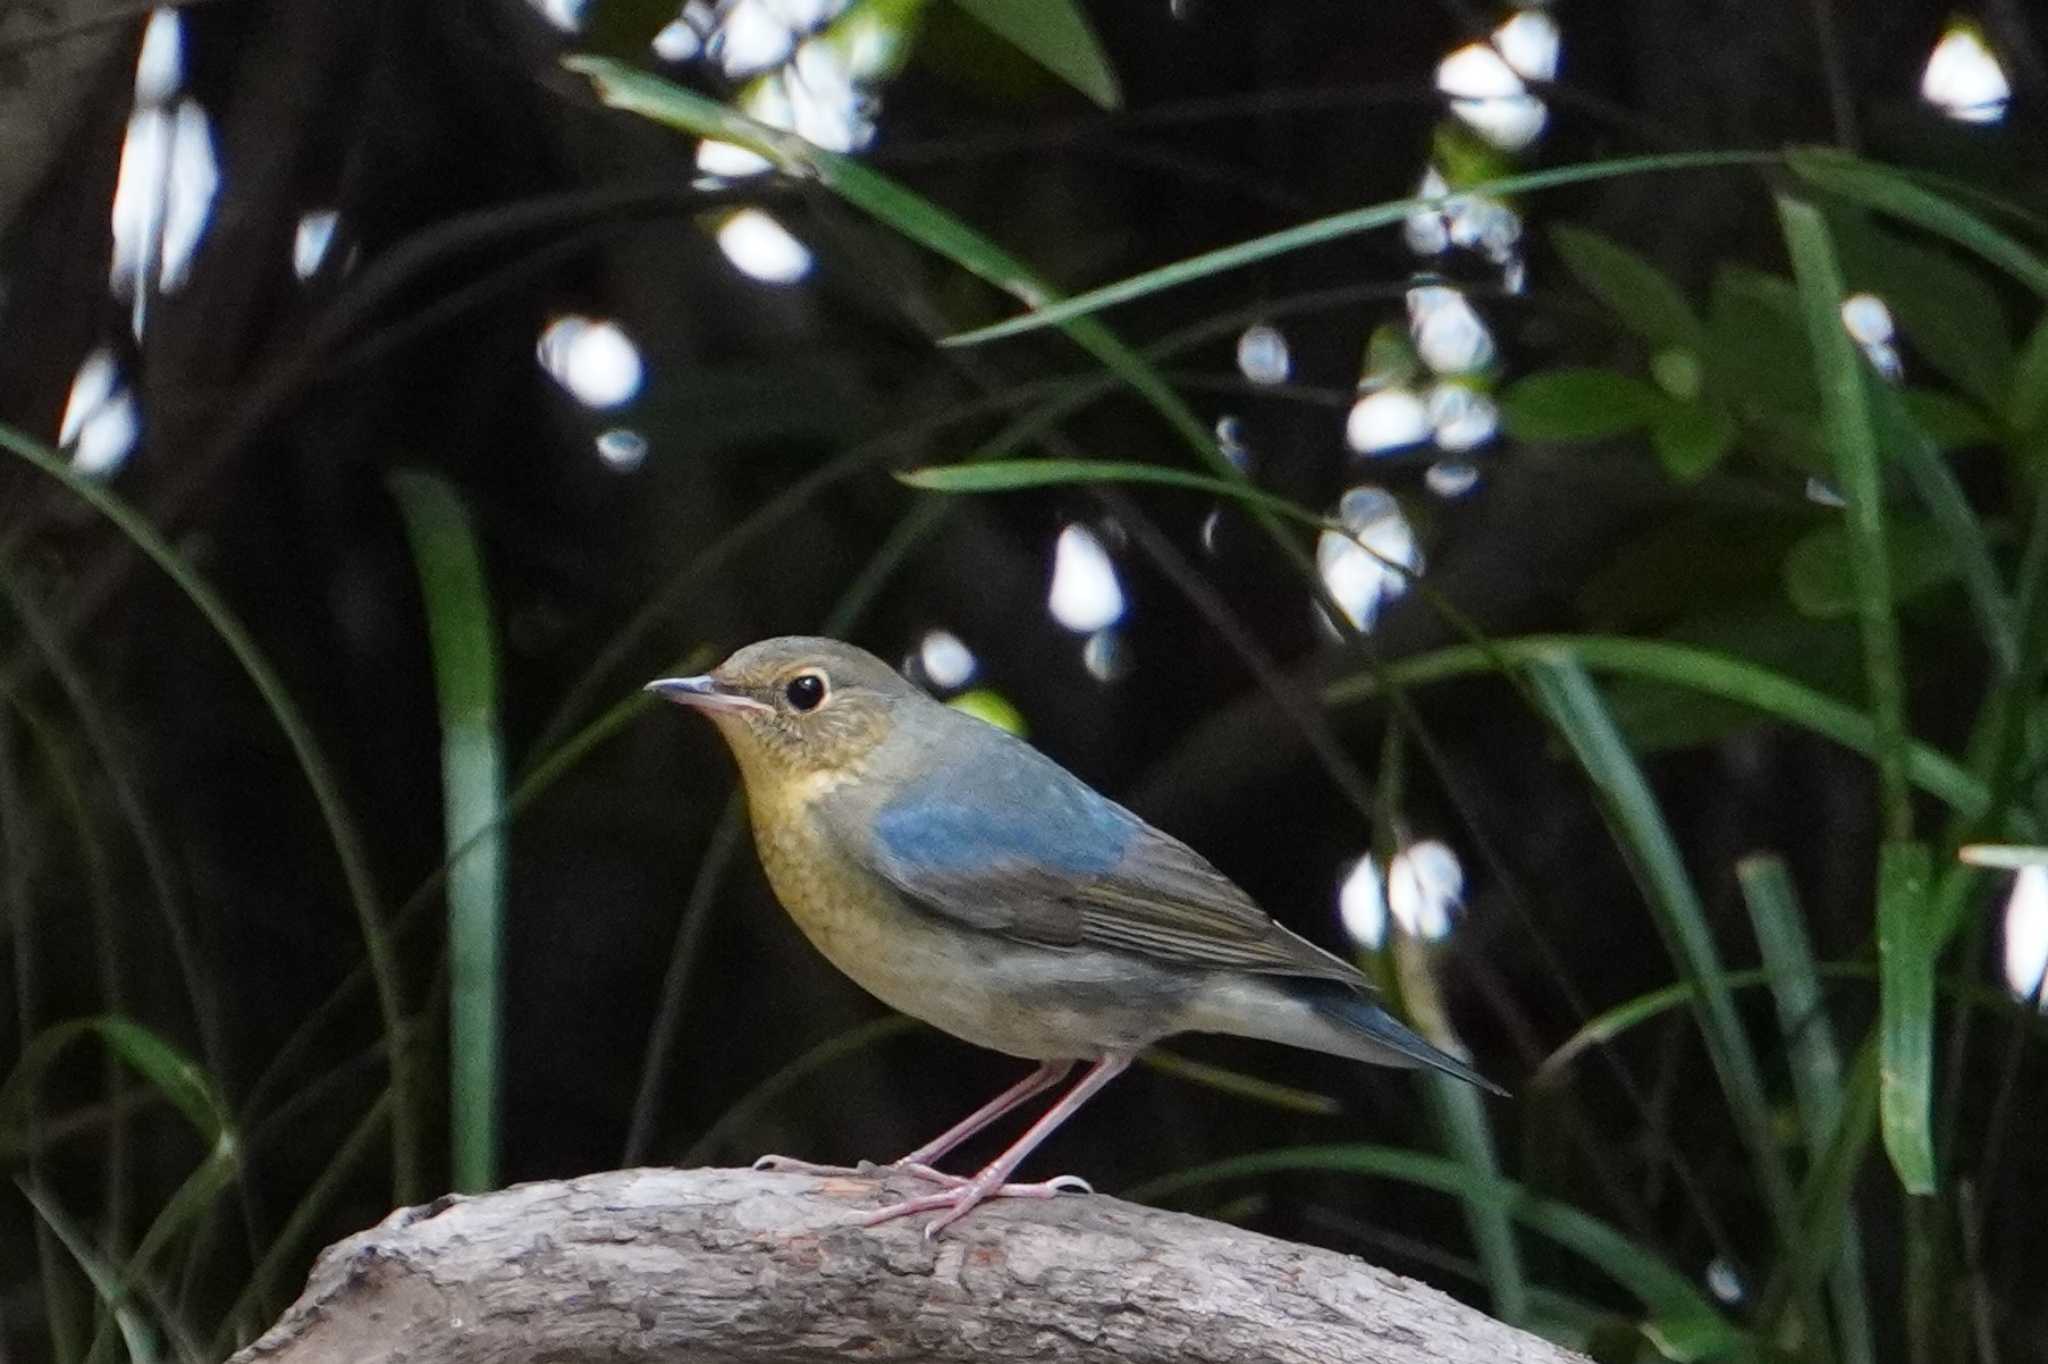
(482, 192)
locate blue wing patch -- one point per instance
(1000, 819)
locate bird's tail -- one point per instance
(1322, 1015)
(1381, 1032)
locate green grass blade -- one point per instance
(1826, 1198)
(1056, 35)
(916, 219)
(96, 867)
(1338, 226)
(1941, 493)
(106, 1281)
(1237, 1084)
(1816, 1069)
(464, 650)
(168, 1070)
(1891, 192)
(1011, 475)
(1847, 422)
(1906, 947)
(1581, 716)
(334, 813)
(1615, 1022)
(1690, 667)
(1455, 1108)
(1682, 1322)
(2026, 398)
(1459, 1115)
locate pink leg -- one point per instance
(990, 1181)
(1048, 1074)
(918, 1162)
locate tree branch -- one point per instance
(733, 1265)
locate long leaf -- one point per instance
(1011, 475)
(1852, 442)
(1696, 669)
(341, 827)
(1642, 296)
(1825, 1198)
(167, 1069)
(1890, 191)
(1580, 715)
(1681, 1322)
(1340, 225)
(932, 227)
(106, 1280)
(1941, 493)
(1905, 951)
(464, 652)
(1056, 35)
(1816, 1068)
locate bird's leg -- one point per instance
(989, 1182)
(1048, 1074)
(918, 1162)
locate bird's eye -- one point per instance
(806, 691)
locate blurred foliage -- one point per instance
(340, 861)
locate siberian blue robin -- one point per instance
(964, 878)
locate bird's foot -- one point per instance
(964, 1196)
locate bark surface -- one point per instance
(734, 1265)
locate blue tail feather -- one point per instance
(1358, 1013)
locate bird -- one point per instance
(962, 877)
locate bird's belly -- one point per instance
(1040, 1003)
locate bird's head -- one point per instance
(795, 707)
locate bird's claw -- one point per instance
(966, 1195)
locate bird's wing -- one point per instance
(1016, 845)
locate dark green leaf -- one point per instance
(1962, 531)
(2026, 399)
(107, 1283)
(1579, 404)
(1853, 449)
(168, 1070)
(1011, 475)
(1332, 228)
(1819, 654)
(1642, 296)
(1827, 1195)
(1820, 575)
(1760, 364)
(1056, 35)
(1691, 438)
(1906, 944)
(1890, 191)
(1575, 707)
(1699, 670)
(1816, 1069)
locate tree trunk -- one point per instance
(733, 1265)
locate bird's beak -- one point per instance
(705, 694)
